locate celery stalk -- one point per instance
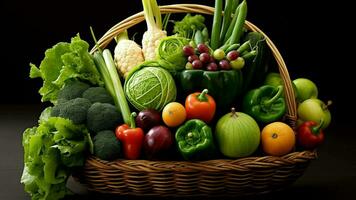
(116, 83)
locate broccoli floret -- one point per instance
(103, 116)
(56, 110)
(98, 94)
(106, 146)
(74, 109)
(72, 90)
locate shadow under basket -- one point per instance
(222, 177)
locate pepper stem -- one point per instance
(233, 112)
(202, 96)
(327, 105)
(316, 129)
(275, 97)
(132, 120)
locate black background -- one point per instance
(309, 34)
(303, 32)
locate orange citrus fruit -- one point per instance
(277, 139)
(174, 114)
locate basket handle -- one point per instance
(291, 115)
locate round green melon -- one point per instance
(237, 134)
(150, 87)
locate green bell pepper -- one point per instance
(224, 85)
(195, 140)
(275, 79)
(265, 104)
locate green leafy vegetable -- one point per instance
(62, 62)
(188, 26)
(50, 152)
(170, 53)
(46, 113)
(150, 86)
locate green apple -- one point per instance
(314, 110)
(306, 89)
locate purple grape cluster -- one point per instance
(200, 58)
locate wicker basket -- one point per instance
(246, 176)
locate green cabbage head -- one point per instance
(170, 53)
(150, 87)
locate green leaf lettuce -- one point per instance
(51, 150)
(62, 62)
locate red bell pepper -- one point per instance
(200, 106)
(310, 134)
(131, 138)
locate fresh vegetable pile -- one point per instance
(187, 94)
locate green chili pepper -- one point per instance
(265, 104)
(195, 140)
(223, 85)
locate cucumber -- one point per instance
(256, 67)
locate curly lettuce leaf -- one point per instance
(45, 114)
(189, 25)
(62, 62)
(51, 150)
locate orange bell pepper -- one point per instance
(200, 106)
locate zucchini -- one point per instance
(256, 67)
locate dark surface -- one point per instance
(306, 34)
